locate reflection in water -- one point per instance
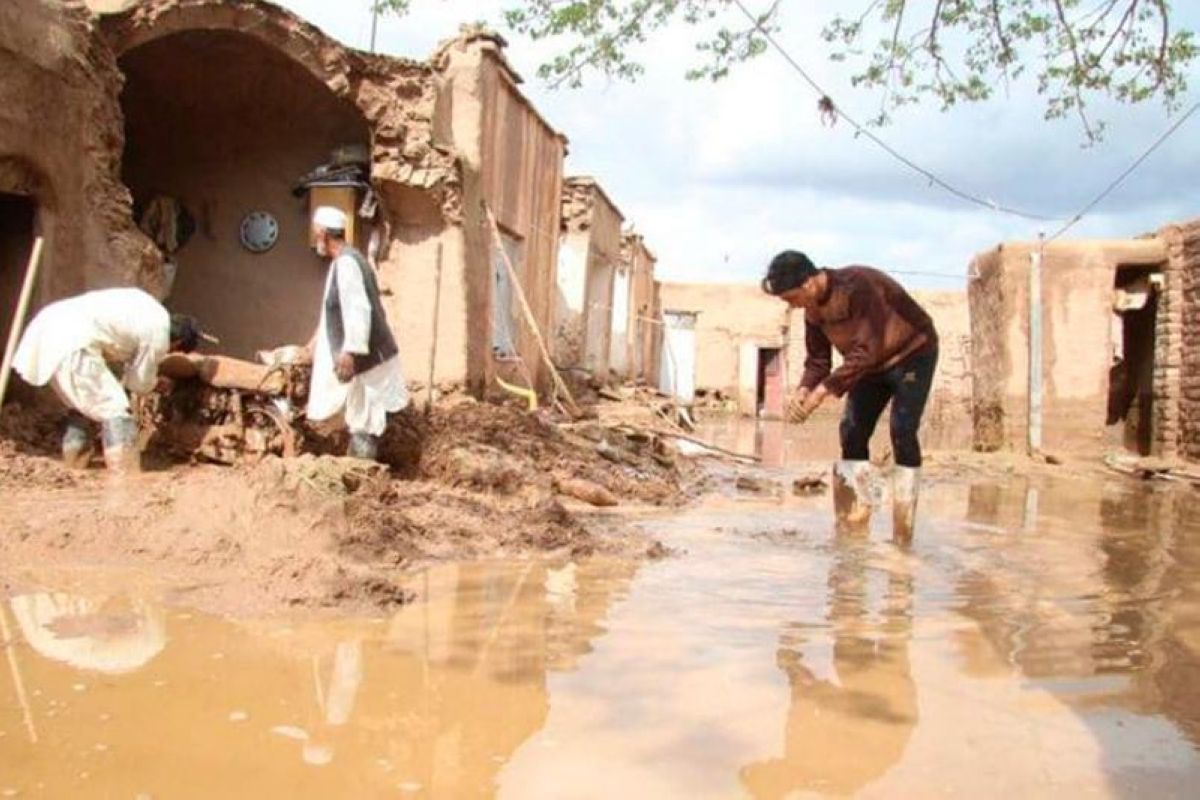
(433, 701)
(1108, 584)
(841, 735)
(109, 634)
(1041, 637)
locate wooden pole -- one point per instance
(1036, 377)
(437, 312)
(559, 385)
(18, 322)
(10, 647)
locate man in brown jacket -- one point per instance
(889, 348)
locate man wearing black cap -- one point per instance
(889, 348)
(70, 345)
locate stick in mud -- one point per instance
(18, 322)
(559, 384)
(437, 312)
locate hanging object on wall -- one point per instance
(259, 231)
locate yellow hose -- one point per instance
(529, 395)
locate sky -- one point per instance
(720, 176)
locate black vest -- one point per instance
(382, 343)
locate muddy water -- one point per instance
(779, 444)
(1041, 639)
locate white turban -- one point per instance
(329, 218)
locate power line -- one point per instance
(868, 133)
(1112, 187)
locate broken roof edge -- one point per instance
(631, 237)
(147, 13)
(493, 46)
(591, 182)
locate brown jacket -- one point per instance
(872, 322)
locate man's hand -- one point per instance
(805, 403)
(344, 367)
(795, 408)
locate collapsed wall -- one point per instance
(570, 317)
(60, 146)
(275, 97)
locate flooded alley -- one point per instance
(1040, 637)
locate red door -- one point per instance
(771, 361)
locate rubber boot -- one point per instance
(77, 443)
(906, 483)
(119, 436)
(852, 496)
(364, 446)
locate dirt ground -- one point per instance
(471, 481)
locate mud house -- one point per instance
(589, 263)
(215, 126)
(1110, 328)
(740, 336)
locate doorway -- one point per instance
(18, 215)
(219, 130)
(1131, 378)
(770, 382)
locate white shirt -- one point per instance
(125, 326)
(368, 398)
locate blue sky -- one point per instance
(721, 176)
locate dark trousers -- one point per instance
(907, 386)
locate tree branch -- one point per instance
(1081, 72)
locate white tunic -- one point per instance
(366, 399)
(70, 343)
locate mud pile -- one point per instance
(29, 442)
(472, 481)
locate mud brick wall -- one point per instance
(1180, 326)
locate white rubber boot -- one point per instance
(119, 437)
(906, 485)
(852, 496)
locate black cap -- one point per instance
(186, 331)
(789, 270)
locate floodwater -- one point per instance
(779, 444)
(1040, 639)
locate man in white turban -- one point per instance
(356, 363)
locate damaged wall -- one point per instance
(641, 263)
(225, 147)
(512, 162)
(1078, 347)
(590, 244)
(413, 169)
(60, 134)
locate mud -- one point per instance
(319, 531)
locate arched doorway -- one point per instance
(226, 125)
(18, 215)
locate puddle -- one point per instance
(1042, 638)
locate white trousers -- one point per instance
(85, 383)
